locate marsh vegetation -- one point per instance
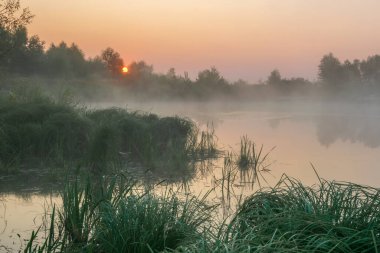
(101, 212)
(38, 131)
(119, 215)
(126, 180)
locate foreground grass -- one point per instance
(292, 217)
(117, 215)
(289, 217)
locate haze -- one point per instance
(243, 39)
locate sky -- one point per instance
(244, 39)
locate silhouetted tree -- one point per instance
(331, 71)
(140, 73)
(297, 82)
(351, 72)
(11, 20)
(210, 82)
(97, 66)
(113, 61)
(370, 69)
(27, 55)
(286, 86)
(240, 83)
(211, 78)
(274, 78)
(171, 75)
(65, 61)
(77, 60)
(14, 46)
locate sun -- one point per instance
(124, 70)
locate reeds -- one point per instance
(252, 161)
(202, 145)
(289, 217)
(292, 217)
(117, 215)
(50, 244)
(149, 222)
(38, 130)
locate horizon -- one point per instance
(245, 40)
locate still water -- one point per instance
(341, 140)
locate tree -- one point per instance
(97, 66)
(140, 73)
(12, 19)
(27, 55)
(351, 72)
(9, 18)
(171, 75)
(211, 78)
(274, 78)
(240, 83)
(112, 60)
(370, 69)
(66, 61)
(331, 71)
(210, 82)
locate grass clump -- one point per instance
(251, 161)
(40, 129)
(292, 217)
(202, 145)
(118, 216)
(36, 130)
(150, 222)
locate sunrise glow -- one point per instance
(124, 70)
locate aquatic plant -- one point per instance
(202, 144)
(117, 215)
(291, 217)
(39, 130)
(251, 161)
(150, 222)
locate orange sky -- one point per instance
(242, 38)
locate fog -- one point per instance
(183, 158)
(340, 138)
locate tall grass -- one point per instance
(202, 144)
(117, 215)
(149, 222)
(35, 129)
(292, 217)
(252, 161)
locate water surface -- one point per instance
(341, 140)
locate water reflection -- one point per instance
(301, 134)
(332, 128)
(31, 182)
(365, 130)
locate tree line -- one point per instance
(336, 74)
(21, 54)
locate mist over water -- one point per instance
(101, 153)
(341, 139)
